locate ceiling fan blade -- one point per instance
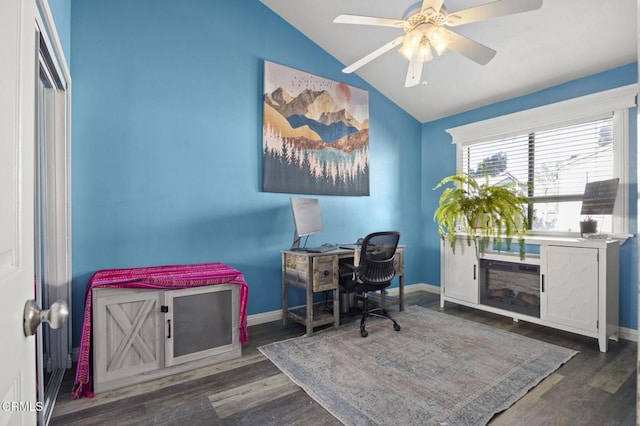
(435, 5)
(371, 56)
(368, 20)
(471, 49)
(491, 10)
(413, 73)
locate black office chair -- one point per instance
(374, 272)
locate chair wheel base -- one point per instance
(396, 327)
(363, 332)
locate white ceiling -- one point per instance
(562, 41)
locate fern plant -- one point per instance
(487, 213)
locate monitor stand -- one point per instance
(296, 241)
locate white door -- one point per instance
(460, 271)
(17, 141)
(569, 286)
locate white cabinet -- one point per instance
(141, 334)
(581, 288)
(459, 272)
(569, 286)
(578, 284)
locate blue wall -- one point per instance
(61, 12)
(167, 116)
(439, 160)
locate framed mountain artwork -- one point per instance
(315, 134)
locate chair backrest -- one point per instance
(376, 257)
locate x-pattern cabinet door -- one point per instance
(127, 332)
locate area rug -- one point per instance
(437, 370)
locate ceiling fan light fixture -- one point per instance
(410, 44)
(406, 52)
(416, 46)
(424, 51)
(439, 38)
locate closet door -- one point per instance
(52, 223)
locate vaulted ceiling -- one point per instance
(562, 41)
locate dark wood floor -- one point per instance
(591, 389)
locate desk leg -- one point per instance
(309, 310)
(285, 295)
(401, 292)
(336, 309)
(285, 305)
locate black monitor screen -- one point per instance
(306, 217)
(599, 197)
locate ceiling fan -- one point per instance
(426, 27)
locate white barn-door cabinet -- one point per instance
(143, 334)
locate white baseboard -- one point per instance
(264, 317)
(629, 334)
(429, 288)
(277, 315)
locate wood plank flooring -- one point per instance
(591, 389)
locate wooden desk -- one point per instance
(316, 272)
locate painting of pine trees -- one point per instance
(315, 134)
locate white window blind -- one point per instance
(562, 160)
(552, 166)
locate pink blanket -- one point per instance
(175, 276)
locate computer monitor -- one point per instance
(306, 217)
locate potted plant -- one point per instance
(588, 226)
(487, 213)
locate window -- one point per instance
(553, 151)
(553, 167)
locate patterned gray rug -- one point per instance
(438, 369)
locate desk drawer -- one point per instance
(296, 269)
(398, 262)
(325, 273)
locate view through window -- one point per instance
(552, 167)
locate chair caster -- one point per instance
(363, 332)
(396, 327)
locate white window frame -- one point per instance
(595, 106)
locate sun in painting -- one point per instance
(343, 93)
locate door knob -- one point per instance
(56, 316)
